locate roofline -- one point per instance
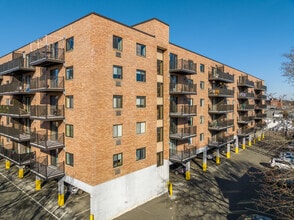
(151, 20)
(216, 61)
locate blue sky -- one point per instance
(250, 35)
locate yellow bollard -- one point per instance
(188, 175)
(7, 164)
(228, 154)
(61, 199)
(91, 217)
(249, 144)
(254, 141)
(204, 166)
(243, 146)
(262, 136)
(217, 160)
(258, 138)
(170, 188)
(38, 184)
(20, 173)
(236, 150)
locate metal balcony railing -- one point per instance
(15, 87)
(245, 131)
(220, 141)
(260, 86)
(260, 116)
(17, 158)
(183, 110)
(218, 75)
(187, 153)
(260, 106)
(47, 140)
(245, 119)
(186, 67)
(14, 111)
(245, 107)
(260, 96)
(218, 125)
(47, 112)
(260, 125)
(47, 56)
(19, 64)
(245, 95)
(220, 108)
(47, 84)
(220, 92)
(243, 81)
(183, 133)
(178, 88)
(18, 134)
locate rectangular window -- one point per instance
(69, 44)
(202, 85)
(117, 43)
(117, 101)
(159, 157)
(190, 141)
(201, 102)
(69, 159)
(159, 112)
(69, 101)
(141, 153)
(141, 50)
(201, 119)
(159, 67)
(159, 89)
(117, 72)
(202, 68)
(141, 76)
(190, 121)
(69, 73)
(141, 101)
(117, 160)
(202, 137)
(173, 61)
(140, 127)
(69, 130)
(159, 134)
(117, 131)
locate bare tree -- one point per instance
(288, 67)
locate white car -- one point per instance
(281, 164)
(287, 156)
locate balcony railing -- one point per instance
(183, 155)
(46, 141)
(245, 119)
(19, 64)
(220, 108)
(13, 111)
(220, 141)
(14, 88)
(245, 107)
(41, 167)
(245, 95)
(177, 88)
(260, 125)
(47, 84)
(47, 112)
(221, 92)
(17, 158)
(47, 56)
(259, 86)
(218, 125)
(260, 106)
(186, 67)
(243, 81)
(182, 110)
(218, 75)
(260, 116)
(260, 96)
(18, 134)
(244, 132)
(182, 133)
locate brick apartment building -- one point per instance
(107, 107)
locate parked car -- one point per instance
(177, 168)
(281, 164)
(287, 156)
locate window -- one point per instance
(141, 76)
(141, 153)
(190, 101)
(117, 72)
(141, 50)
(69, 101)
(202, 85)
(69, 73)
(159, 112)
(141, 101)
(8, 120)
(202, 68)
(173, 59)
(117, 131)
(159, 67)
(201, 102)
(117, 101)
(159, 134)
(69, 44)
(201, 119)
(190, 121)
(159, 157)
(117, 43)
(159, 89)
(69, 130)
(69, 159)
(202, 137)
(117, 160)
(140, 127)
(190, 141)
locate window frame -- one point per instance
(69, 76)
(202, 85)
(202, 68)
(69, 130)
(117, 130)
(140, 75)
(69, 44)
(69, 159)
(117, 101)
(139, 103)
(201, 120)
(142, 153)
(159, 112)
(140, 50)
(159, 134)
(159, 158)
(116, 74)
(115, 162)
(201, 102)
(159, 90)
(201, 137)
(117, 43)
(69, 103)
(141, 127)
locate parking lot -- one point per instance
(20, 200)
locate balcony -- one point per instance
(243, 81)
(260, 87)
(245, 107)
(245, 95)
(220, 108)
(46, 141)
(182, 133)
(218, 75)
(185, 155)
(260, 106)
(17, 134)
(15, 111)
(260, 125)
(182, 89)
(260, 116)
(15, 88)
(44, 84)
(182, 110)
(18, 65)
(47, 56)
(40, 166)
(221, 92)
(218, 125)
(260, 96)
(220, 141)
(16, 158)
(185, 67)
(47, 112)
(245, 119)
(244, 132)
